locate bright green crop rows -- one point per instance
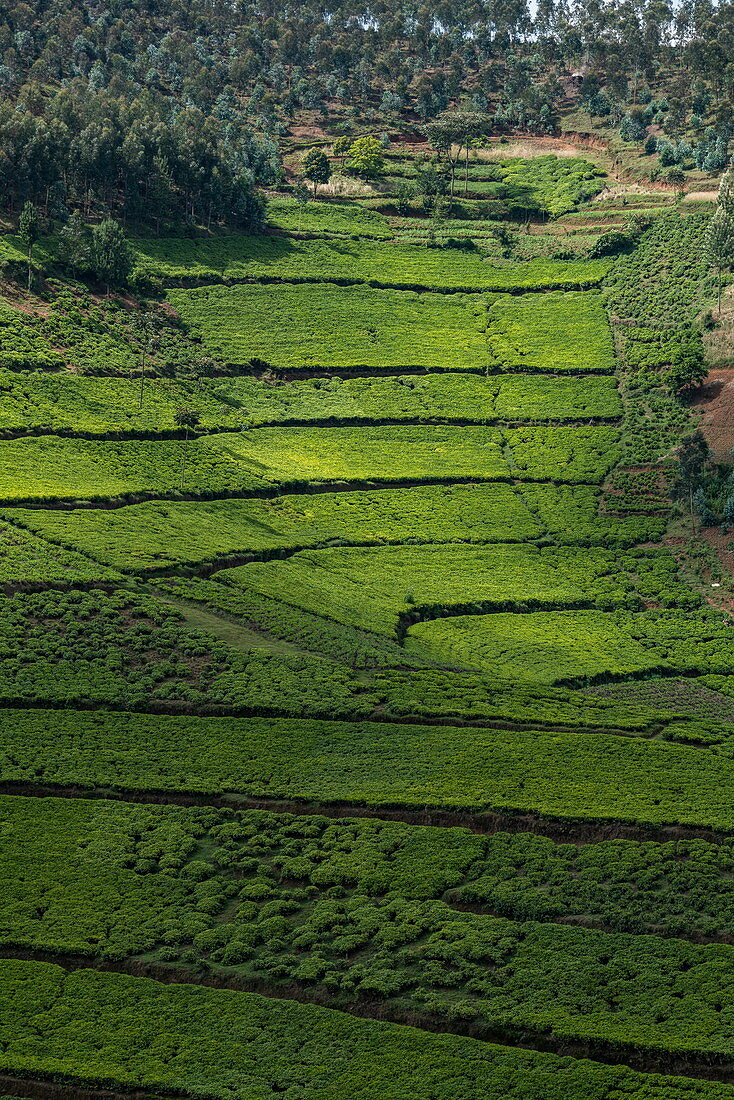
(555, 332)
(65, 402)
(157, 535)
(573, 646)
(374, 262)
(82, 404)
(54, 468)
(298, 327)
(328, 218)
(424, 397)
(377, 589)
(564, 775)
(49, 468)
(235, 1046)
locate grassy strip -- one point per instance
(221, 1044)
(569, 776)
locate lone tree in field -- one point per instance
(188, 419)
(29, 230)
(341, 147)
(112, 259)
(693, 456)
(454, 132)
(366, 157)
(301, 194)
(316, 168)
(720, 239)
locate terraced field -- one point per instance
(300, 764)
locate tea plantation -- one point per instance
(320, 549)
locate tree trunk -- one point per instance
(30, 269)
(466, 171)
(142, 379)
(183, 461)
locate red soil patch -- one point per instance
(715, 402)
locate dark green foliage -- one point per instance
(569, 776)
(199, 1039)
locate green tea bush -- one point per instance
(466, 397)
(301, 327)
(381, 264)
(575, 647)
(77, 649)
(157, 536)
(22, 346)
(209, 1040)
(568, 775)
(383, 589)
(556, 333)
(27, 561)
(330, 219)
